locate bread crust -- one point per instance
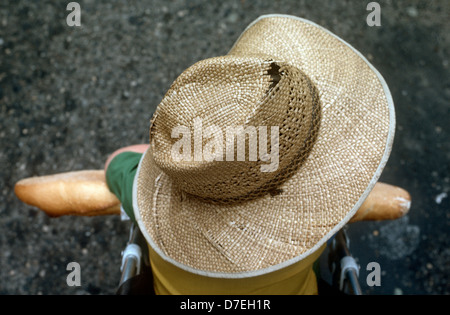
(82, 193)
(385, 202)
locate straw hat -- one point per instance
(231, 217)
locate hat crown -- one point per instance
(232, 128)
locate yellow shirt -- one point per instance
(296, 279)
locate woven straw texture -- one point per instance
(228, 217)
(237, 91)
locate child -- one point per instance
(218, 216)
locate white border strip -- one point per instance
(240, 275)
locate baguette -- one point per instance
(86, 193)
(82, 193)
(385, 202)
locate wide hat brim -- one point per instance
(269, 233)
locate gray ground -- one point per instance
(69, 96)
